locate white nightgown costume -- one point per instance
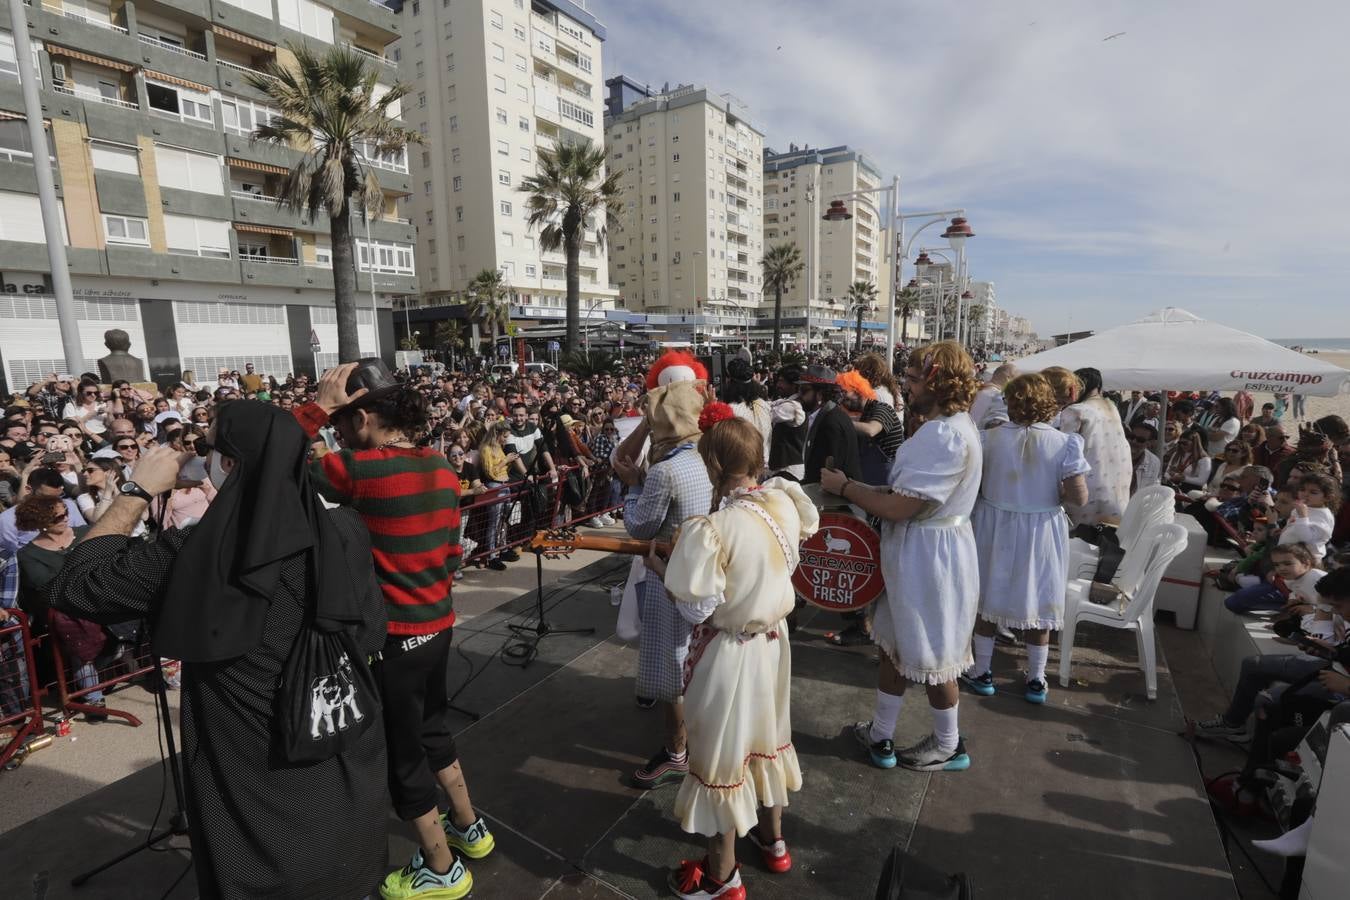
(1108, 452)
(1021, 531)
(932, 572)
(732, 572)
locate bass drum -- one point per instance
(840, 565)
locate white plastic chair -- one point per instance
(1137, 579)
(1153, 505)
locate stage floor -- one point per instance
(1093, 791)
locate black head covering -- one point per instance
(226, 575)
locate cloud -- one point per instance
(1207, 140)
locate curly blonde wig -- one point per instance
(1030, 399)
(1064, 383)
(949, 374)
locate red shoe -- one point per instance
(691, 881)
(775, 854)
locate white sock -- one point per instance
(1037, 654)
(884, 716)
(1292, 843)
(945, 728)
(984, 655)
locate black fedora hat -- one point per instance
(372, 374)
(818, 375)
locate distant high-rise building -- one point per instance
(690, 237)
(493, 82)
(798, 186)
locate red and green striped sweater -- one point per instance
(409, 500)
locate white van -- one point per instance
(531, 368)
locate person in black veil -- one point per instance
(230, 596)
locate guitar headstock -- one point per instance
(555, 543)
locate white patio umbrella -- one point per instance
(1173, 350)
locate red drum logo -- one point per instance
(840, 566)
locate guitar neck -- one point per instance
(616, 545)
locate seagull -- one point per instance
(780, 46)
(1111, 37)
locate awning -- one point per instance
(54, 50)
(244, 39)
(6, 115)
(263, 229)
(174, 79)
(256, 166)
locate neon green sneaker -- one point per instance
(474, 842)
(416, 880)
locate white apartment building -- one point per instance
(982, 324)
(798, 187)
(493, 82)
(690, 239)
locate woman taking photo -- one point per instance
(730, 576)
(102, 478)
(1237, 455)
(1187, 466)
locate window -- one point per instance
(499, 53)
(523, 93)
(426, 159)
(530, 270)
(449, 30)
(190, 236)
(188, 171)
(307, 17)
(459, 242)
(417, 38)
(501, 116)
(525, 154)
(126, 230)
(652, 201)
(421, 99)
(429, 217)
(416, 7)
(499, 84)
(388, 257)
(459, 214)
(503, 148)
(505, 207)
(653, 257)
(420, 68)
(450, 92)
(426, 188)
(524, 123)
(178, 102)
(323, 252)
(21, 218)
(675, 157)
(518, 30)
(675, 139)
(431, 246)
(520, 62)
(454, 154)
(504, 177)
(496, 19)
(397, 55)
(508, 239)
(675, 197)
(508, 268)
(529, 243)
(458, 182)
(454, 123)
(449, 62)
(114, 157)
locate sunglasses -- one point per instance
(61, 517)
(1230, 487)
(127, 446)
(90, 470)
(1136, 439)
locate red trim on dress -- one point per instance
(749, 756)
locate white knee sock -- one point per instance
(984, 655)
(884, 716)
(1037, 654)
(1292, 843)
(945, 728)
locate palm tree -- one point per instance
(490, 303)
(908, 301)
(862, 295)
(569, 193)
(330, 113)
(450, 335)
(781, 265)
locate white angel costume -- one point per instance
(932, 572)
(1021, 531)
(731, 573)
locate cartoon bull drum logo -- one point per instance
(836, 544)
(331, 698)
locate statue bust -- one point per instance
(119, 364)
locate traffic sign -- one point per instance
(314, 340)
(840, 567)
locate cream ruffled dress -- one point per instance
(738, 676)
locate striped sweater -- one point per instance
(409, 500)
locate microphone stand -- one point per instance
(531, 635)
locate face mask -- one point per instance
(218, 473)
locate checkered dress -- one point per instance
(676, 488)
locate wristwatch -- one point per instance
(132, 489)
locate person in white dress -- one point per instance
(1021, 531)
(928, 560)
(748, 399)
(1107, 450)
(730, 576)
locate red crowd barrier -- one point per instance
(119, 664)
(20, 692)
(509, 516)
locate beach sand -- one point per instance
(1318, 406)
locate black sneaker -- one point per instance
(660, 769)
(96, 716)
(496, 565)
(1220, 728)
(510, 555)
(645, 702)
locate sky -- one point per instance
(1197, 160)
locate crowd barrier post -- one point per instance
(20, 692)
(124, 668)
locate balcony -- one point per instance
(171, 47)
(84, 17)
(382, 60)
(266, 260)
(88, 94)
(250, 195)
(245, 69)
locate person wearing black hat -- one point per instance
(830, 433)
(409, 499)
(232, 597)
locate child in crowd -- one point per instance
(1299, 569)
(1251, 569)
(1312, 519)
(1292, 564)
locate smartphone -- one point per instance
(51, 457)
(1263, 484)
(1312, 648)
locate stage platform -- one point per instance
(1093, 793)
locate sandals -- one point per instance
(852, 636)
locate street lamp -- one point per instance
(837, 212)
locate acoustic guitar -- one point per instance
(556, 543)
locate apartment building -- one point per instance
(493, 82)
(798, 187)
(172, 228)
(690, 237)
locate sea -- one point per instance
(1331, 345)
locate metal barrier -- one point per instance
(508, 517)
(127, 662)
(20, 692)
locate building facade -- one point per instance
(172, 225)
(690, 239)
(493, 82)
(799, 185)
